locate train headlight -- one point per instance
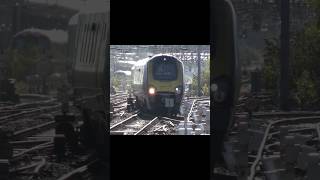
(152, 91)
(178, 90)
(220, 89)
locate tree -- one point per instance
(306, 93)
(249, 56)
(205, 80)
(270, 70)
(304, 64)
(316, 5)
(116, 82)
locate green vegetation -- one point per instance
(116, 82)
(271, 70)
(204, 82)
(316, 6)
(304, 66)
(306, 92)
(248, 56)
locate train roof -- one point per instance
(145, 60)
(168, 55)
(158, 55)
(54, 35)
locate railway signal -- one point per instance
(284, 54)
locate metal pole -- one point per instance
(16, 18)
(199, 71)
(284, 54)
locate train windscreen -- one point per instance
(165, 70)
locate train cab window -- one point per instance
(164, 70)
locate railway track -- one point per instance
(272, 144)
(92, 169)
(118, 98)
(38, 162)
(286, 140)
(26, 119)
(82, 172)
(32, 101)
(33, 148)
(33, 130)
(137, 125)
(22, 123)
(130, 125)
(29, 111)
(194, 113)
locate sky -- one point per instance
(74, 4)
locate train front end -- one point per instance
(165, 85)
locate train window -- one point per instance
(93, 27)
(94, 45)
(164, 70)
(89, 48)
(85, 51)
(83, 42)
(137, 78)
(93, 48)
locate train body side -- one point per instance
(90, 51)
(89, 38)
(139, 79)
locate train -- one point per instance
(43, 55)
(158, 84)
(88, 43)
(83, 49)
(46, 40)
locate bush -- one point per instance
(304, 66)
(306, 93)
(22, 62)
(270, 70)
(205, 81)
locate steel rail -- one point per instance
(4, 119)
(75, 173)
(147, 126)
(124, 121)
(38, 147)
(33, 130)
(190, 112)
(176, 121)
(314, 119)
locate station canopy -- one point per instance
(131, 53)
